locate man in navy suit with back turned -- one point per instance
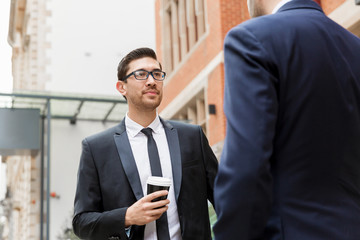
(290, 167)
(111, 201)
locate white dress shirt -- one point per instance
(279, 5)
(138, 143)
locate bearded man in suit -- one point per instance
(111, 200)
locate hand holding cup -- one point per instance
(157, 184)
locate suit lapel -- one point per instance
(175, 155)
(127, 160)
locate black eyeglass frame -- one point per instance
(147, 75)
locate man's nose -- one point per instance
(150, 80)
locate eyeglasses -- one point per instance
(143, 75)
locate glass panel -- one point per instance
(94, 110)
(65, 105)
(18, 102)
(118, 113)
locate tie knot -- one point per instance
(147, 131)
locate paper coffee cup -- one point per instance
(157, 184)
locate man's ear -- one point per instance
(121, 87)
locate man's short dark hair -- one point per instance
(131, 56)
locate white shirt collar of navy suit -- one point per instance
(279, 5)
(133, 128)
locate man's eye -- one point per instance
(141, 74)
(157, 74)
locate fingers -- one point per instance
(152, 215)
(162, 204)
(155, 195)
(144, 210)
(157, 207)
(156, 200)
(157, 211)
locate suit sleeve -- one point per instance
(243, 187)
(211, 166)
(90, 220)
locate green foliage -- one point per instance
(213, 218)
(68, 234)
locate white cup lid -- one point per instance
(159, 181)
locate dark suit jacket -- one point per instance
(108, 182)
(290, 167)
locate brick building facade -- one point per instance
(189, 42)
(27, 38)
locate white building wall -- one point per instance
(65, 155)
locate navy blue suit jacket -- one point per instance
(290, 167)
(108, 183)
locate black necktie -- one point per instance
(162, 227)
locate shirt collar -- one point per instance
(279, 5)
(133, 128)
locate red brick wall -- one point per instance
(233, 12)
(215, 92)
(221, 16)
(201, 55)
(158, 29)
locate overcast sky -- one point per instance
(5, 50)
(88, 39)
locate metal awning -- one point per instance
(62, 106)
(69, 106)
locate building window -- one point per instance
(194, 111)
(184, 24)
